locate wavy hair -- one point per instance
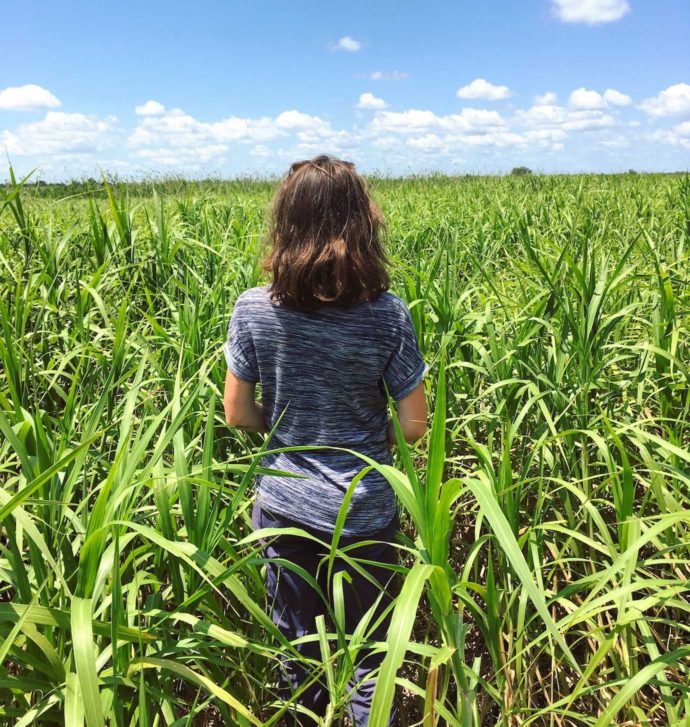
(325, 237)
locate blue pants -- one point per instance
(295, 606)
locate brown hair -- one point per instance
(325, 232)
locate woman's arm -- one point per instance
(411, 415)
(241, 409)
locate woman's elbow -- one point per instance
(233, 417)
(413, 431)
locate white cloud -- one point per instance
(616, 98)
(545, 134)
(176, 138)
(261, 150)
(585, 120)
(388, 75)
(542, 115)
(347, 44)
(614, 142)
(184, 157)
(428, 142)
(414, 120)
(297, 121)
(581, 98)
(592, 124)
(337, 142)
(472, 119)
(27, 98)
(558, 117)
(482, 89)
(385, 142)
(178, 129)
(236, 128)
(673, 100)
(430, 133)
(308, 129)
(61, 133)
(369, 101)
(495, 137)
(592, 12)
(404, 121)
(678, 136)
(150, 108)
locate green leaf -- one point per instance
(85, 660)
(397, 642)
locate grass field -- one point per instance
(545, 553)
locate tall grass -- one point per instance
(545, 551)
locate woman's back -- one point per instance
(324, 341)
(324, 370)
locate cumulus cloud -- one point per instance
(591, 12)
(385, 143)
(569, 119)
(430, 133)
(616, 98)
(408, 138)
(388, 75)
(260, 150)
(614, 142)
(297, 121)
(403, 121)
(679, 135)
(585, 120)
(542, 114)
(369, 101)
(174, 128)
(582, 98)
(27, 98)
(177, 128)
(347, 44)
(414, 120)
(337, 142)
(426, 143)
(494, 137)
(545, 134)
(482, 89)
(184, 157)
(472, 119)
(150, 108)
(61, 133)
(175, 137)
(672, 101)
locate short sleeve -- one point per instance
(406, 367)
(240, 354)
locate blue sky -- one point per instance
(243, 88)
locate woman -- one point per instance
(325, 339)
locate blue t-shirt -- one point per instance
(325, 369)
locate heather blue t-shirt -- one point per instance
(325, 369)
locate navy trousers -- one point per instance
(295, 606)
